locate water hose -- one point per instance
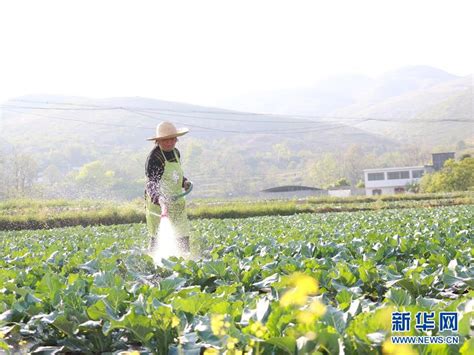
(175, 197)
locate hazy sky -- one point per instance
(205, 51)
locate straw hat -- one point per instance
(167, 130)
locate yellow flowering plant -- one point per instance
(300, 286)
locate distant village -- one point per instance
(377, 181)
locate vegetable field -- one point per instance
(308, 283)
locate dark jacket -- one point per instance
(154, 168)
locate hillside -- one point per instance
(226, 152)
(396, 114)
(405, 80)
(42, 123)
(385, 105)
(446, 122)
(335, 113)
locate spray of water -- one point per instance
(167, 243)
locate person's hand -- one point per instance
(155, 199)
(187, 185)
(164, 206)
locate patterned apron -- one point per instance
(170, 185)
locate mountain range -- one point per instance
(351, 109)
(400, 104)
(40, 123)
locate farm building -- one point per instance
(384, 181)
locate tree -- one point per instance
(323, 170)
(455, 176)
(342, 182)
(282, 153)
(52, 174)
(353, 163)
(413, 186)
(24, 171)
(193, 156)
(94, 178)
(3, 175)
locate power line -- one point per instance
(60, 108)
(62, 103)
(10, 107)
(82, 121)
(300, 130)
(285, 131)
(151, 128)
(162, 111)
(305, 118)
(187, 124)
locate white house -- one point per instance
(388, 181)
(394, 180)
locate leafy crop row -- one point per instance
(37, 214)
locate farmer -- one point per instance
(165, 181)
